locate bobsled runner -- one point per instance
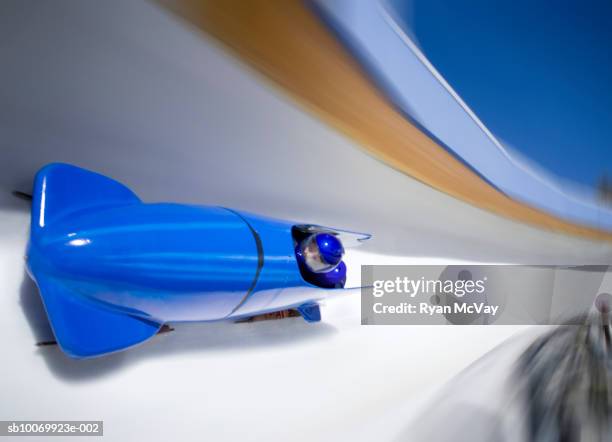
(112, 270)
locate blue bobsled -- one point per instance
(111, 270)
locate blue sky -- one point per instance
(537, 73)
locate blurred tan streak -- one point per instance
(285, 41)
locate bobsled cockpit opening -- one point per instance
(319, 252)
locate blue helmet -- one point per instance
(320, 252)
(330, 248)
(327, 276)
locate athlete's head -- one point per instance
(321, 252)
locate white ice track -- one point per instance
(130, 91)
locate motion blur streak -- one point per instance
(567, 377)
(287, 42)
(374, 34)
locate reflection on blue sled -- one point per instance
(112, 270)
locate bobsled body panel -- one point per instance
(165, 260)
(279, 274)
(85, 327)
